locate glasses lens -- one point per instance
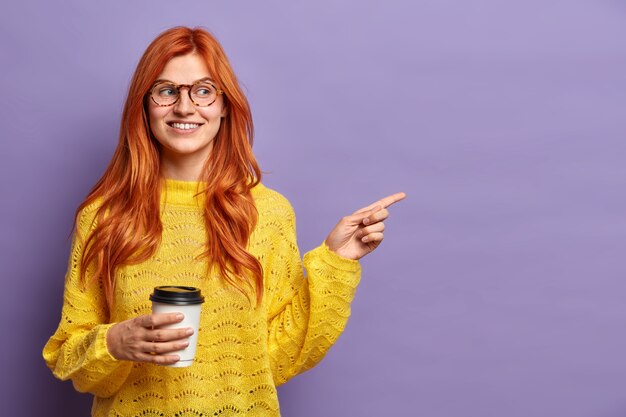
(165, 94)
(203, 93)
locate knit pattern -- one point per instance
(242, 353)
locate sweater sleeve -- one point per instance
(306, 315)
(78, 349)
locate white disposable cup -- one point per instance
(191, 313)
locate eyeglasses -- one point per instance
(202, 93)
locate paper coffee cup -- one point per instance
(185, 300)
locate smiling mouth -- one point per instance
(185, 126)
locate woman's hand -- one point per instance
(141, 340)
(360, 233)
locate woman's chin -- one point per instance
(190, 150)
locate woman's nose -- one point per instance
(184, 105)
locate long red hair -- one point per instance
(129, 228)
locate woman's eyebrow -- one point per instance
(196, 81)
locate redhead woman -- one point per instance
(182, 203)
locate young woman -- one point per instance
(181, 203)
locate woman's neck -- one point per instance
(182, 168)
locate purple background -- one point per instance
(499, 290)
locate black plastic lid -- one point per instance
(172, 294)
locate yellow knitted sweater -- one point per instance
(242, 353)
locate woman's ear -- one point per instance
(224, 112)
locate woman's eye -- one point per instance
(203, 91)
(167, 91)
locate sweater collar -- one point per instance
(183, 193)
(189, 193)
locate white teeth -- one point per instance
(185, 126)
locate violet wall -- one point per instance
(499, 290)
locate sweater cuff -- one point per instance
(335, 260)
(323, 257)
(101, 348)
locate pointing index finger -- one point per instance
(391, 199)
(385, 202)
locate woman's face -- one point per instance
(184, 130)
